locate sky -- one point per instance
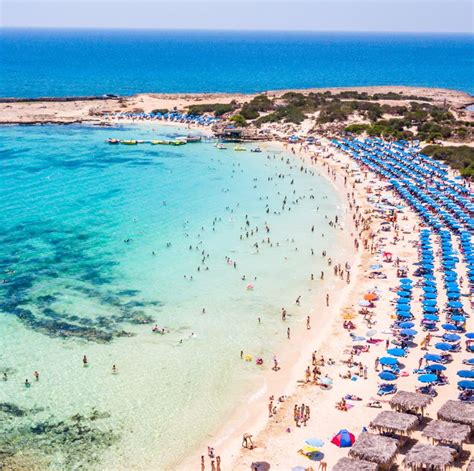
(301, 15)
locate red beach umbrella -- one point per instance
(343, 439)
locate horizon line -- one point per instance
(232, 30)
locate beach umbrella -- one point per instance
(314, 442)
(430, 295)
(405, 281)
(343, 439)
(404, 314)
(388, 361)
(427, 378)
(429, 302)
(406, 325)
(375, 267)
(449, 327)
(325, 380)
(431, 317)
(404, 294)
(436, 367)
(445, 347)
(403, 301)
(298, 468)
(408, 332)
(469, 362)
(470, 335)
(371, 333)
(403, 307)
(387, 376)
(451, 337)
(433, 357)
(396, 352)
(466, 384)
(370, 296)
(455, 305)
(465, 374)
(458, 318)
(364, 303)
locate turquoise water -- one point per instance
(58, 63)
(98, 243)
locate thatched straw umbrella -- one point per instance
(395, 422)
(405, 401)
(375, 448)
(429, 457)
(349, 464)
(449, 433)
(457, 411)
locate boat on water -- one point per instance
(160, 142)
(177, 143)
(112, 141)
(221, 147)
(192, 138)
(238, 148)
(129, 142)
(256, 149)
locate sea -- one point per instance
(100, 243)
(92, 62)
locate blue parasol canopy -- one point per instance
(433, 357)
(427, 378)
(396, 352)
(445, 347)
(451, 337)
(388, 361)
(387, 376)
(466, 384)
(408, 332)
(436, 367)
(465, 374)
(406, 325)
(470, 335)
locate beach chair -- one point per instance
(386, 389)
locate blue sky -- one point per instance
(311, 15)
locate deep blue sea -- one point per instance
(89, 62)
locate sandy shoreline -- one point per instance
(92, 111)
(251, 416)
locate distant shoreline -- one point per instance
(93, 109)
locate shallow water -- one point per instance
(84, 235)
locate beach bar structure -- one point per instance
(350, 464)
(429, 457)
(410, 402)
(395, 422)
(376, 449)
(457, 411)
(447, 433)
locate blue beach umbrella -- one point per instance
(406, 325)
(469, 362)
(387, 376)
(465, 374)
(445, 347)
(436, 367)
(396, 352)
(408, 332)
(466, 384)
(449, 327)
(388, 361)
(458, 318)
(431, 317)
(403, 307)
(429, 302)
(427, 378)
(405, 281)
(404, 314)
(430, 295)
(451, 337)
(404, 294)
(403, 301)
(470, 335)
(433, 357)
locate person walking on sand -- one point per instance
(327, 299)
(308, 323)
(377, 360)
(283, 314)
(218, 463)
(288, 331)
(203, 465)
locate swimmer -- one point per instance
(114, 370)
(36, 375)
(84, 361)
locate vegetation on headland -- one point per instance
(458, 157)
